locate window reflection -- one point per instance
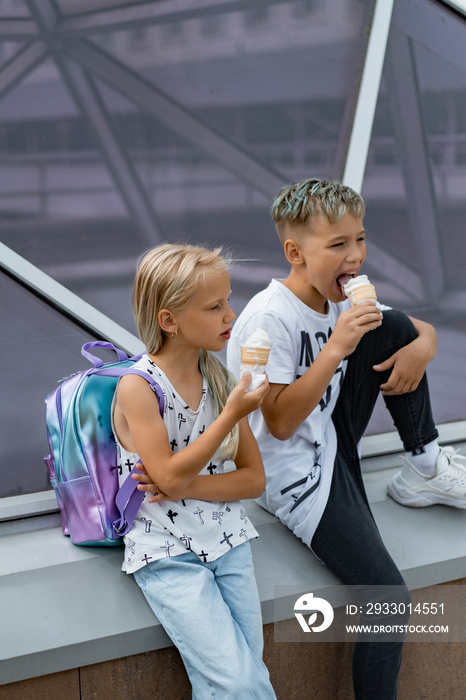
(270, 85)
(39, 346)
(198, 116)
(414, 190)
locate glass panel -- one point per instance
(13, 8)
(38, 347)
(420, 233)
(82, 195)
(71, 7)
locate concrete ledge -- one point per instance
(427, 671)
(65, 607)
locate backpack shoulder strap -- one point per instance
(155, 386)
(128, 498)
(121, 371)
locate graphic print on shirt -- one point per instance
(226, 538)
(211, 468)
(187, 541)
(307, 357)
(314, 477)
(172, 515)
(218, 515)
(313, 481)
(198, 512)
(167, 546)
(171, 528)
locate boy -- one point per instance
(327, 365)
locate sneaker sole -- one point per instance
(422, 501)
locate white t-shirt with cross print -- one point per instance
(170, 528)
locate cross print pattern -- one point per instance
(171, 528)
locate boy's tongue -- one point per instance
(342, 280)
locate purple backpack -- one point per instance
(82, 463)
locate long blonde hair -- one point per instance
(167, 278)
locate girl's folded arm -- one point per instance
(172, 472)
(246, 481)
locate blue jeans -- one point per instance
(212, 613)
(347, 539)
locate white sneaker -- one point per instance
(448, 485)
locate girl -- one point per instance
(188, 548)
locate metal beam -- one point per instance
(413, 151)
(17, 29)
(151, 13)
(358, 147)
(458, 5)
(91, 106)
(45, 14)
(22, 63)
(435, 27)
(65, 301)
(176, 117)
(394, 270)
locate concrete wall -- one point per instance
(430, 671)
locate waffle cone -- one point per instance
(254, 356)
(362, 293)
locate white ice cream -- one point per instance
(359, 289)
(258, 339)
(354, 282)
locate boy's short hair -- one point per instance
(302, 201)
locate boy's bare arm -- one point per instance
(286, 406)
(409, 364)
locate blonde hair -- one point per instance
(298, 203)
(167, 277)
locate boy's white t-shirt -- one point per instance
(298, 470)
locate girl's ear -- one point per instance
(293, 252)
(167, 321)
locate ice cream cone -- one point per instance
(252, 357)
(362, 293)
(359, 289)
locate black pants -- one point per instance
(347, 539)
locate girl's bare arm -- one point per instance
(174, 472)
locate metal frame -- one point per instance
(430, 24)
(21, 64)
(144, 14)
(458, 5)
(65, 301)
(175, 116)
(91, 105)
(358, 147)
(412, 146)
(359, 142)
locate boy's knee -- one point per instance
(399, 325)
